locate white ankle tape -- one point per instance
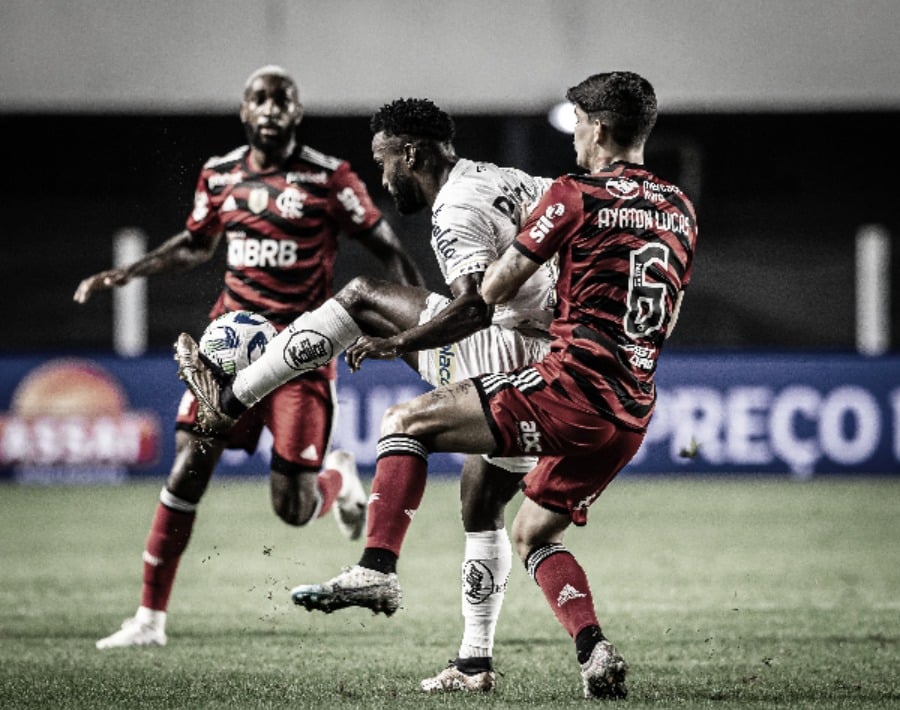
(175, 503)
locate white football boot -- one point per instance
(354, 586)
(604, 672)
(139, 630)
(350, 507)
(451, 680)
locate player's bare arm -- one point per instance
(386, 246)
(182, 251)
(466, 314)
(505, 277)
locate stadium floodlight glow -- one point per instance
(562, 117)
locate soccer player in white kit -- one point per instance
(477, 211)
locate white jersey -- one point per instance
(476, 216)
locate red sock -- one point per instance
(397, 491)
(565, 586)
(329, 483)
(168, 538)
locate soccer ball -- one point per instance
(235, 339)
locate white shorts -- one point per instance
(493, 349)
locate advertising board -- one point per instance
(107, 419)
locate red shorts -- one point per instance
(578, 452)
(300, 414)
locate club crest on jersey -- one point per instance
(622, 187)
(258, 200)
(290, 203)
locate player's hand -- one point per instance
(369, 347)
(103, 281)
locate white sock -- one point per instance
(151, 617)
(312, 340)
(485, 574)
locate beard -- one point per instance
(407, 197)
(265, 142)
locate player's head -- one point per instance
(624, 102)
(271, 109)
(412, 144)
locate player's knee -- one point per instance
(397, 419)
(481, 514)
(521, 542)
(285, 511)
(526, 536)
(296, 513)
(188, 483)
(294, 505)
(355, 293)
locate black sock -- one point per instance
(230, 404)
(585, 641)
(379, 559)
(471, 666)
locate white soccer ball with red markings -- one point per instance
(235, 339)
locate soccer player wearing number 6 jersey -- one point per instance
(624, 239)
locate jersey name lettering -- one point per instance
(632, 218)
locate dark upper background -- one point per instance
(778, 213)
(775, 117)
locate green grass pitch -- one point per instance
(737, 593)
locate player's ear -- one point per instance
(601, 131)
(299, 116)
(410, 155)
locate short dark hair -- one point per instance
(418, 118)
(623, 99)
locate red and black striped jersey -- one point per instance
(280, 227)
(625, 240)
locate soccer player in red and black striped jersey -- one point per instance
(280, 207)
(625, 241)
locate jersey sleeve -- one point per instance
(556, 216)
(686, 277)
(204, 217)
(350, 202)
(464, 238)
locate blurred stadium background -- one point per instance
(736, 590)
(779, 119)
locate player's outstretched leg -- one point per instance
(350, 508)
(355, 586)
(202, 382)
(457, 677)
(604, 673)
